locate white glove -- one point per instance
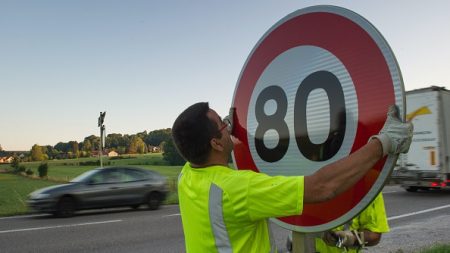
(395, 136)
(345, 238)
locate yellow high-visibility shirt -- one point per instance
(226, 210)
(372, 218)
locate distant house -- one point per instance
(112, 154)
(6, 159)
(154, 149)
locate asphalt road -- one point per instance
(416, 220)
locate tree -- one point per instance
(36, 153)
(155, 138)
(121, 150)
(171, 154)
(62, 147)
(74, 148)
(87, 145)
(142, 135)
(137, 145)
(15, 162)
(94, 142)
(114, 141)
(50, 151)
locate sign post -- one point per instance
(101, 119)
(313, 90)
(303, 242)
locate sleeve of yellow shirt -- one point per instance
(274, 196)
(374, 218)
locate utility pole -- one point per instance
(102, 137)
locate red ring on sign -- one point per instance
(370, 74)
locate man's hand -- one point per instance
(395, 136)
(345, 238)
(330, 238)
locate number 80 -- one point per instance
(314, 152)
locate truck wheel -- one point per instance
(411, 189)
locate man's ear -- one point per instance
(216, 144)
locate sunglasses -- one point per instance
(227, 125)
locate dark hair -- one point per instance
(192, 132)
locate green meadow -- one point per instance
(14, 188)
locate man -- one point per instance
(363, 230)
(226, 210)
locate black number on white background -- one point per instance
(274, 121)
(315, 152)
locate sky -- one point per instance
(143, 62)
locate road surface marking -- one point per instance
(418, 212)
(169, 215)
(389, 192)
(22, 216)
(59, 226)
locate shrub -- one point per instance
(90, 163)
(119, 157)
(15, 163)
(19, 169)
(43, 170)
(22, 169)
(171, 154)
(29, 172)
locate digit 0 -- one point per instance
(323, 151)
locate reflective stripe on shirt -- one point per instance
(217, 223)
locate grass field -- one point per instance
(65, 170)
(14, 189)
(445, 248)
(442, 248)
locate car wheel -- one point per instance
(153, 201)
(135, 206)
(65, 207)
(412, 189)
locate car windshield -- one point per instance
(84, 176)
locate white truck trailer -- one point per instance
(426, 165)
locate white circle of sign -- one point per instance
(287, 71)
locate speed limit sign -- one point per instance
(313, 90)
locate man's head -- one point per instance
(197, 132)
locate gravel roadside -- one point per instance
(412, 237)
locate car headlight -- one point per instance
(40, 195)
